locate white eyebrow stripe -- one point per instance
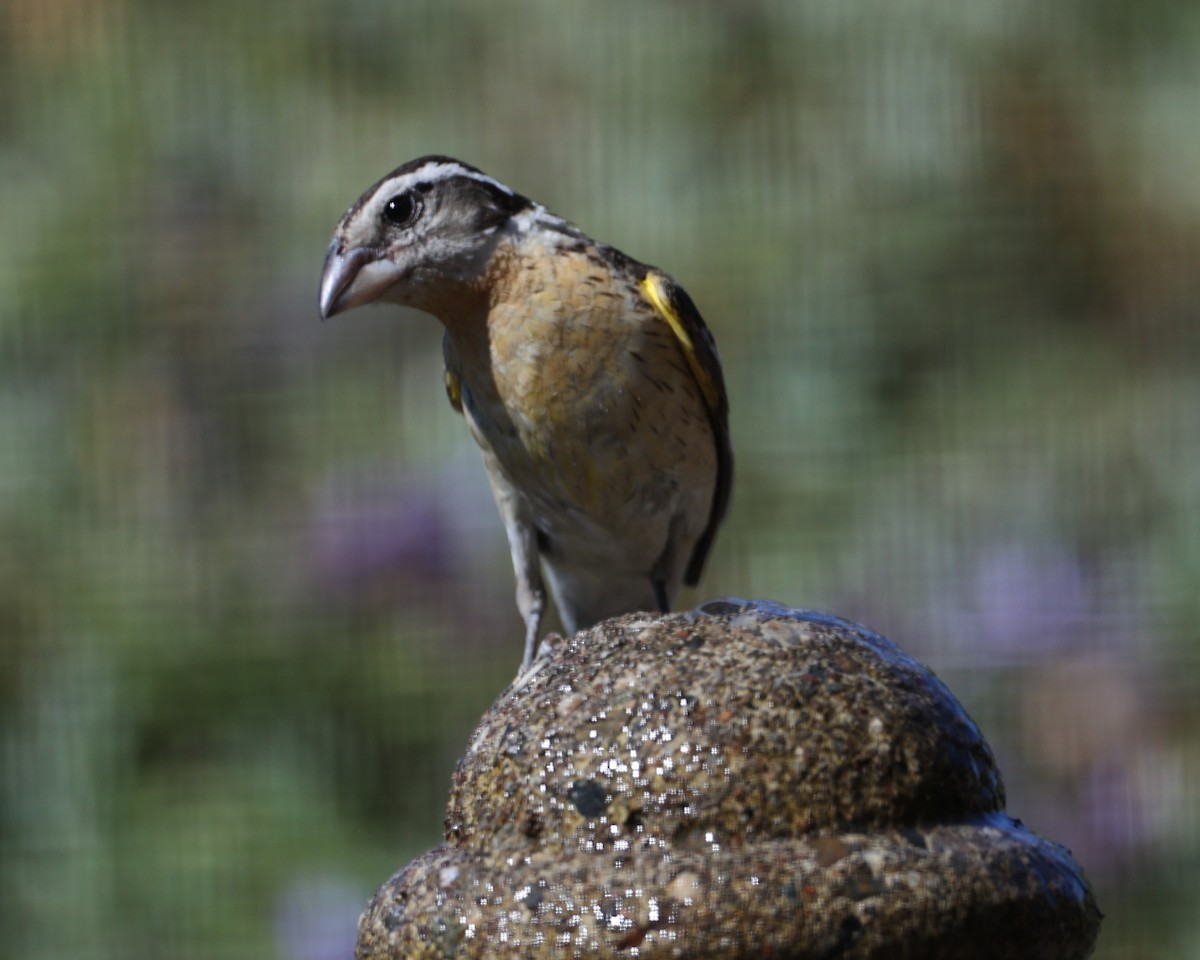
(535, 214)
(437, 171)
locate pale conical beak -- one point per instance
(354, 277)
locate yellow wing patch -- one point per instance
(676, 307)
(657, 293)
(454, 391)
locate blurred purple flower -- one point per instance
(1102, 818)
(316, 918)
(363, 539)
(1022, 600)
(370, 528)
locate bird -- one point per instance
(588, 379)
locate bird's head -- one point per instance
(418, 237)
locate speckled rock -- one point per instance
(742, 781)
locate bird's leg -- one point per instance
(665, 567)
(533, 621)
(531, 592)
(522, 544)
(660, 595)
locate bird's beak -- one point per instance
(354, 277)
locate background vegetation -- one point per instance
(253, 594)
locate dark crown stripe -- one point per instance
(439, 169)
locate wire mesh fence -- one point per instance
(254, 590)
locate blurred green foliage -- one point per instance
(253, 594)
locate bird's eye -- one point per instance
(401, 210)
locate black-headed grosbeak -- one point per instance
(588, 379)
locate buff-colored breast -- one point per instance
(584, 395)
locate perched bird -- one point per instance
(588, 379)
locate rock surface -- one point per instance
(744, 780)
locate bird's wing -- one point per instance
(451, 376)
(674, 305)
(453, 389)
